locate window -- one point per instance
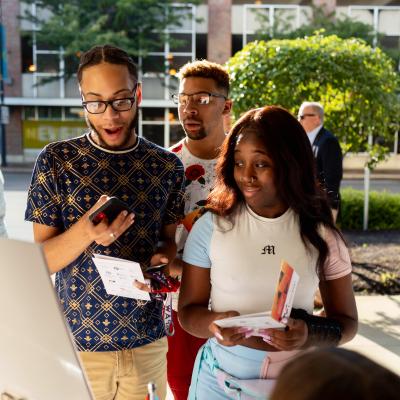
(176, 134)
(74, 113)
(154, 133)
(153, 114)
(49, 63)
(27, 53)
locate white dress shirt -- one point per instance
(313, 134)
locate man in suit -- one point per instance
(326, 149)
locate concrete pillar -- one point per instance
(219, 38)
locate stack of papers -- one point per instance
(118, 276)
(281, 307)
(254, 321)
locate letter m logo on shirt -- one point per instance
(268, 249)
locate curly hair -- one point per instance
(287, 145)
(206, 69)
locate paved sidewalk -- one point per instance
(379, 330)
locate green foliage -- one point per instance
(325, 23)
(389, 279)
(77, 25)
(320, 21)
(384, 210)
(357, 84)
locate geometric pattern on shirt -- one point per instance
(69, 177)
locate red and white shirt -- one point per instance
(200, 177)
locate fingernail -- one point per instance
(218, 336)
(266, 337)
(267, 341)
(284, 320)
(249, 333)
(124, 213)
(244, 330)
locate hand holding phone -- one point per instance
(110, 210)
(160, 282)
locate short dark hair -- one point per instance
(106, 54)
(206, 69)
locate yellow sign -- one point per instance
(36, 134)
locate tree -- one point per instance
(320, 20)
(357, 85)
(326, 23)
(138, 26)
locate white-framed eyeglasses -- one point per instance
(200, 98)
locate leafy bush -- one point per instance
(356, 83)
(384, 210)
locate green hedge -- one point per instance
(384, 210)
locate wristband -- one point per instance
(161, 283)
(321, 331)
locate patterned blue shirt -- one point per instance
(68, 178)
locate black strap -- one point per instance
(322, 331)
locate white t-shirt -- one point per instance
(245, 256)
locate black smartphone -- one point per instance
(156, 268)
(110, 210)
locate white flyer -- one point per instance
(262, 320)
(118, 276)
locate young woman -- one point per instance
(266, 207)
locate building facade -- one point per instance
(37, 111)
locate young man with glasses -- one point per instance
(203, 105)
(121, 341)
(326, 149)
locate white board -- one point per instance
(38, 360)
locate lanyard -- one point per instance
(166, 298)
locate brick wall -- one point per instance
(219, 40)
(14, 135)
(10, 12)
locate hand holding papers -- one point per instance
(281, 307)
(118, 276)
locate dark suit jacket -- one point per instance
(329, 160)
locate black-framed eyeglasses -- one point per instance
(200, 99)
(303, 116)
(100, 106)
